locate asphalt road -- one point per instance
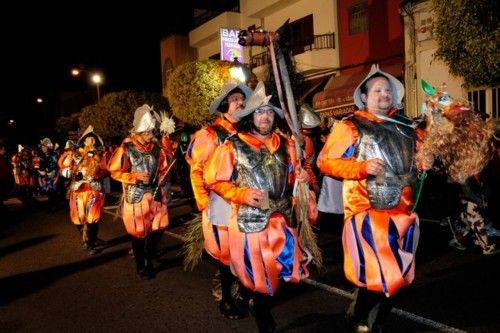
(48, 284)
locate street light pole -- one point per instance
(97, 79)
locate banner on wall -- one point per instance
(229, 47)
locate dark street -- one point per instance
(49, 284)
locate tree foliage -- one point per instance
(468, 35)
(112, 117)
(65, 124)
(193, 86)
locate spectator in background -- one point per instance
(309, 121)
(6, 180)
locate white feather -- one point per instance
(167, 125)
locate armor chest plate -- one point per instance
(395, 145)
(264, 171)
(142, 162)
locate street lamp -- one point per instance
(97, 79)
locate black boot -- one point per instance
(152, 241)
(79, 227)
(138, 248)
(149, 248)
(262, 311)
(92, 230)
(226, 306)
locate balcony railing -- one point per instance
(325, 41)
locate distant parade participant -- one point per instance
(65, 163)
(215, 210)
(373, 151)
(255, 170)
(49, 172)
(6, 181)
(23, 172)
(140, 163)
(86, 194)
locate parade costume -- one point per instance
(381, 261)
(86, 195)
(23, 172)
(381, 231)
(48, 171)
(263, 246)
(215, 210)
(144, 202)
(455, 122)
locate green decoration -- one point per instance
(428, 89)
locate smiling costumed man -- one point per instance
(373, 151)
(255, 170)
(215, 210)
(141, 165)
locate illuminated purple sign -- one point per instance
(229, 47)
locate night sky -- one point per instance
(122, 42)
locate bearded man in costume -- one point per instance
(141, 165)
(373, 151)
(215, 210)
(86, 194)
(255, 171)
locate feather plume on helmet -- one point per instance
(167, 124)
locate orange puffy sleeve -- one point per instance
(65, 160)
(119, 167)
(336, 159)
(218, 172)
(200, 149)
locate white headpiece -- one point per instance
(145, 119)
(308, 118)
(19, 148)
(225, 91)
(397, 88)
(257, 100)
(90, 132)
(46, 142)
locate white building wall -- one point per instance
(420, 47)
(270, 15)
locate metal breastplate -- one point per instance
(94, 184)
(264, 171)
(141, 162)
(395, 145)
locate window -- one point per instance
(486, 101)
(358, 17)
(302, 34)
(495, 103)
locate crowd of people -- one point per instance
(243, 173)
